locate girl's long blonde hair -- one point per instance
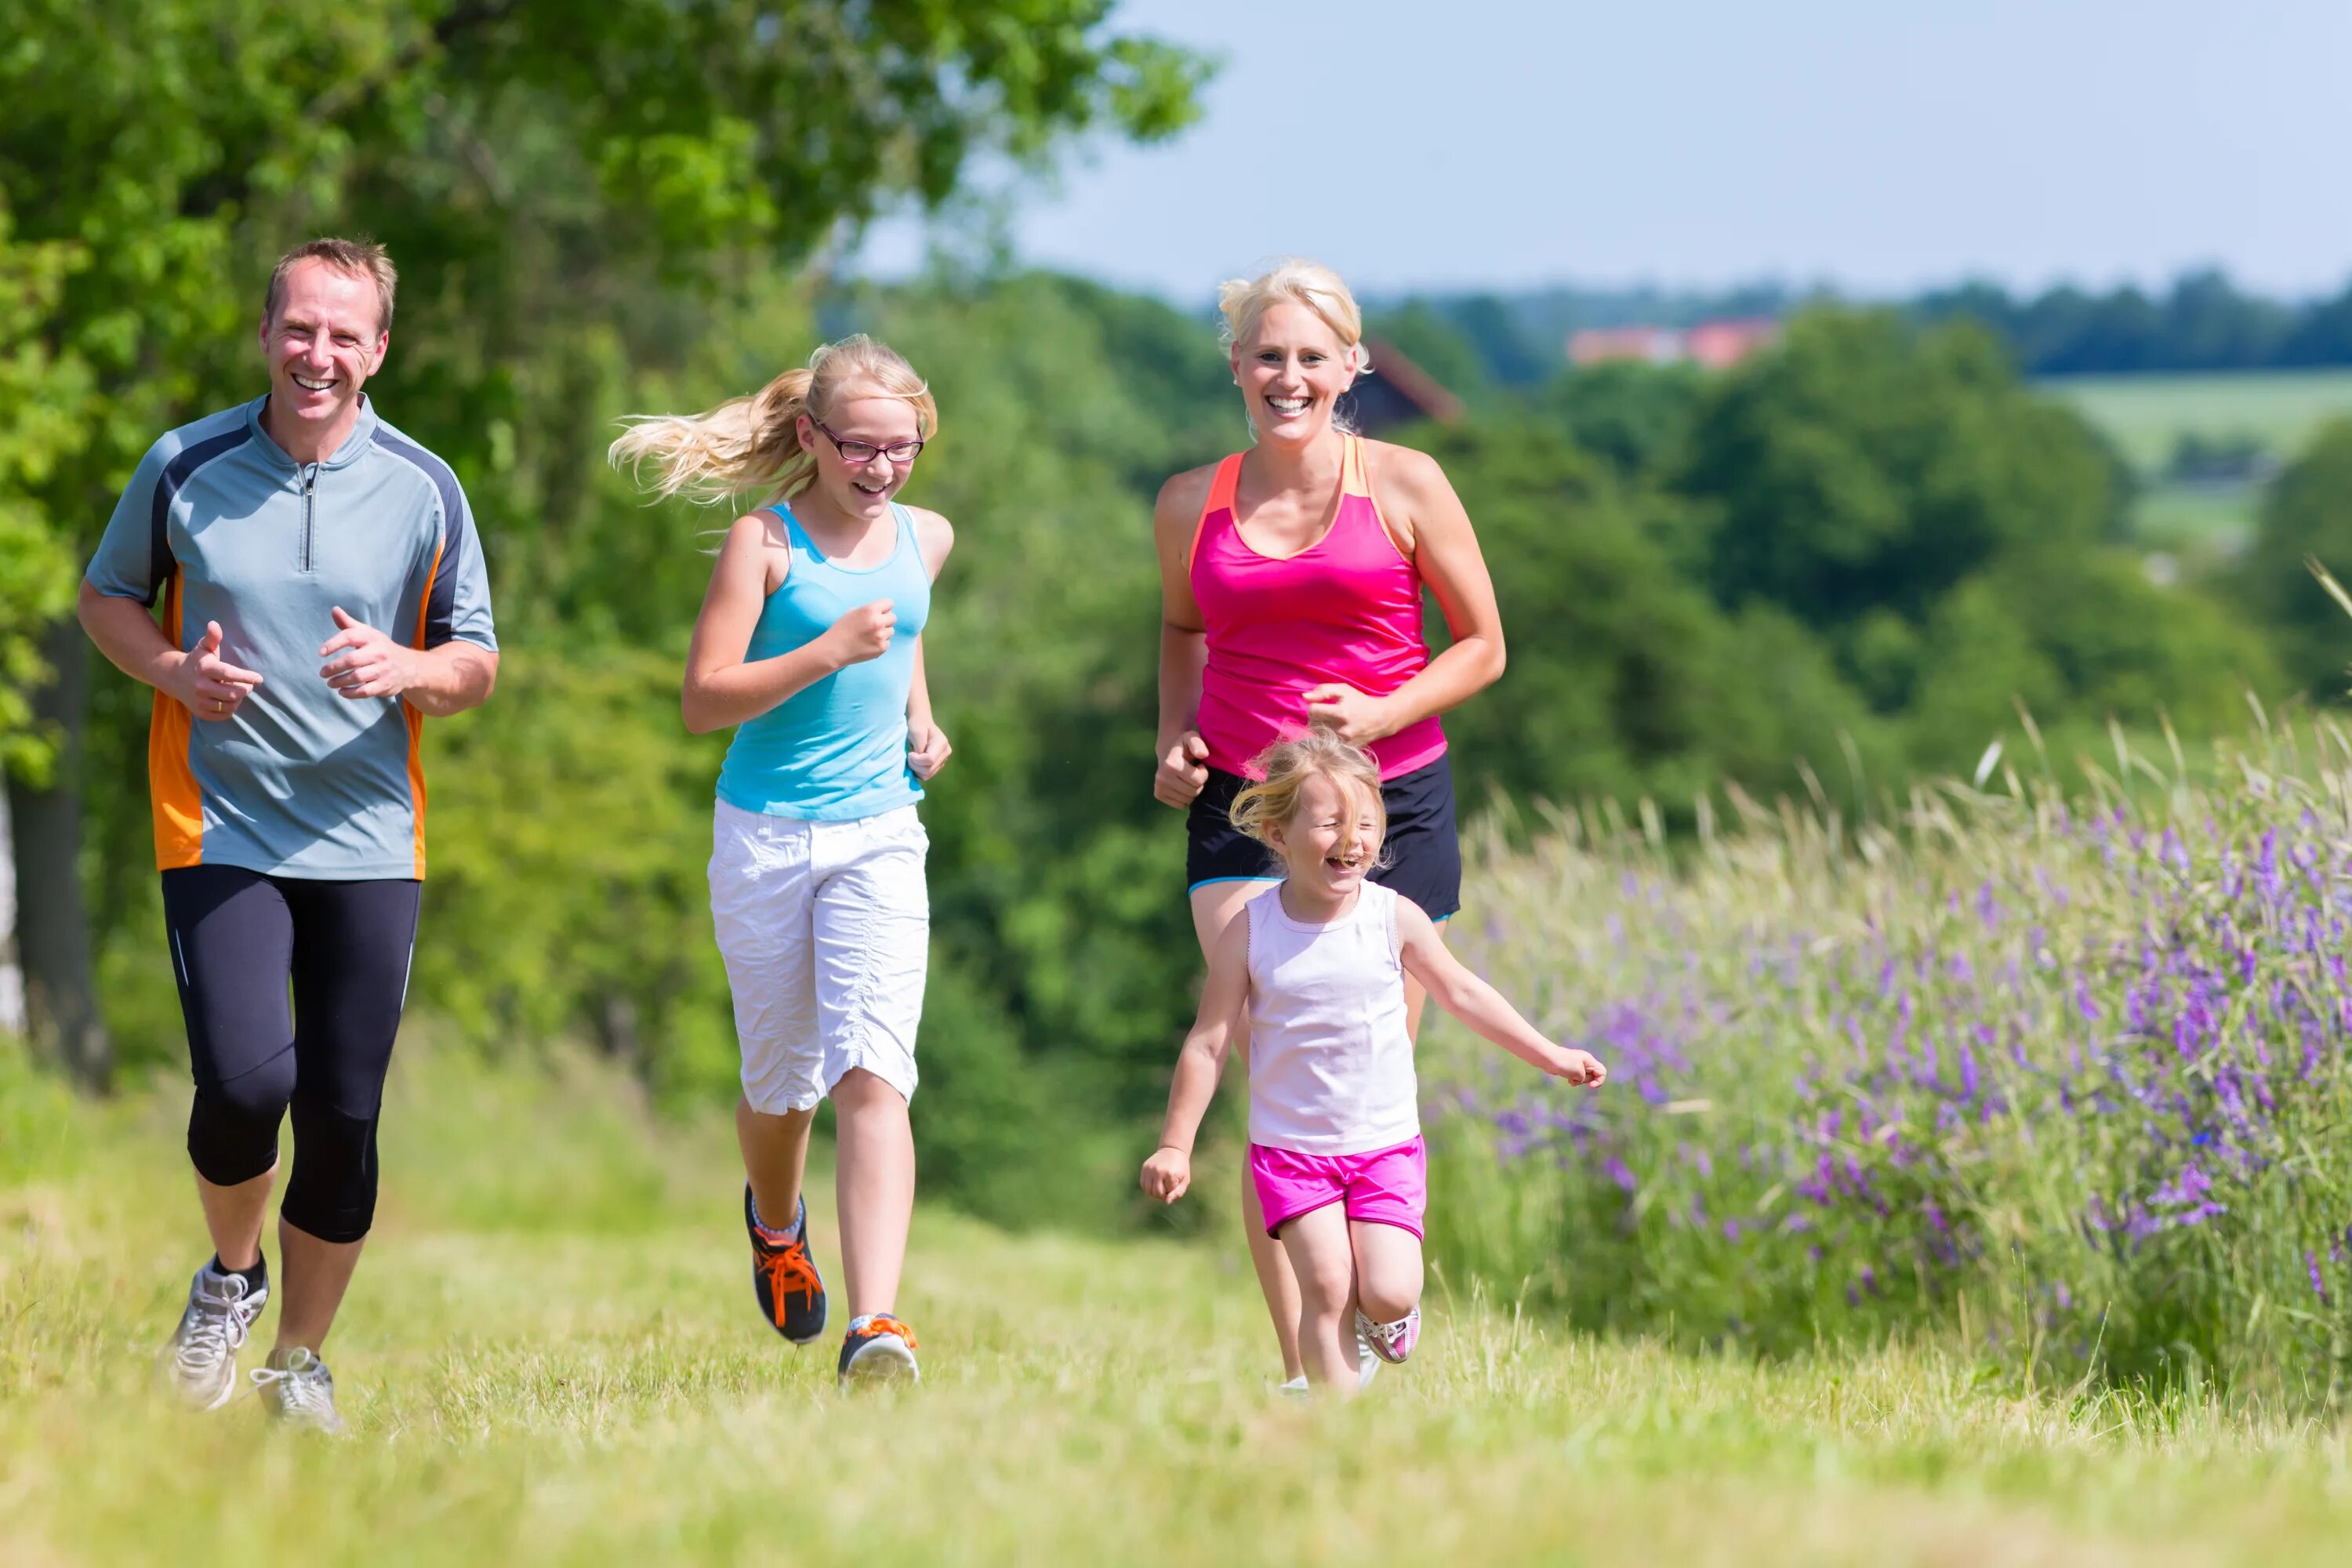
(751, 446)
(1283, 769)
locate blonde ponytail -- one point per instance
(751, 446)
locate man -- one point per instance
(322, 592)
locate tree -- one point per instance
(1945, 529)
(1631, 413)
(2306, 515)
(1625, 677)
(1865, 464)
(561, 185)
(43, 405)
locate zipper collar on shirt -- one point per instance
(362, 434)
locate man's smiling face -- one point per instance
(325, 338)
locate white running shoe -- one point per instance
(878, 1349)
(300, 1391)
(1368, 1367)
(200, 1363)
(1390, 1342)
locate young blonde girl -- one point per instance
(809, 644)
(1317, 965)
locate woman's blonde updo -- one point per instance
(752, 444)
(1293, 279)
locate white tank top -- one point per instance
(1330, 1062)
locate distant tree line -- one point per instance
(2202, 322)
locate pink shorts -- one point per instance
(1386, 1186)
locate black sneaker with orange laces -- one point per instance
(784, 1277)
(878, 1349)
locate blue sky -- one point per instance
(1877, 144)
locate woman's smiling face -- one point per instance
(1292, 368)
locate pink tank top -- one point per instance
(1346, 609)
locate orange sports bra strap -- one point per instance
(1356, 479)
(1353, 481)
(1222, 487)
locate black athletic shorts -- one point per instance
(239, 938)
(1422, 858)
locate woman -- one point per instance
(809, 644)
(1291, 579)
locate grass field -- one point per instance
(550, 1357)
(2145, 415)
(2201, 523)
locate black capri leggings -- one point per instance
(241, 939)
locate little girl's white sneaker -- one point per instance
(1390, 1342)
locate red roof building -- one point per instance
(1597, 345)
(1716, 344)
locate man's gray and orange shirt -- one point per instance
(225, 526)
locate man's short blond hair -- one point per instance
(360, 258)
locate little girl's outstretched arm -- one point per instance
(1169, 1170)
(1453, 987)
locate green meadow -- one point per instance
(2146, 416)
(553, 1357)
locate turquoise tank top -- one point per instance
(834, 750)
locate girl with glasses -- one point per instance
(810, 645)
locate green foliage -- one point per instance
(1865, 464)
(568, 828)
(1625, 677)
(2201, 323)
(2054, 1068)
(1471, 342)
(1635, 415)
(1900, 492)
(2149, 417)
(2203, 447)
(2307, 515)
(42, 404)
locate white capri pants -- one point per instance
(825, 928)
